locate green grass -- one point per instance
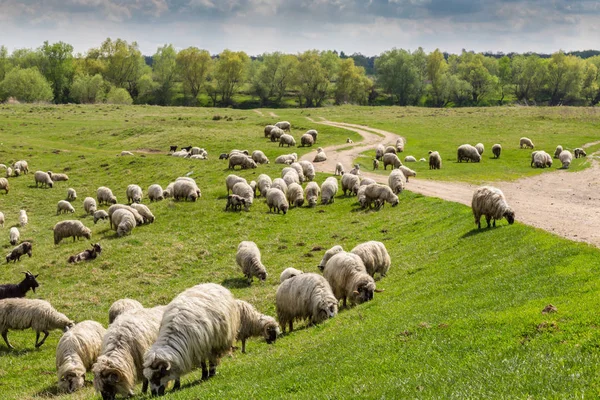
(460, 316)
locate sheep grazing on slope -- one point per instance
(123, 221)
(339, 169)
(558, 150)
(320, 156)
(375, 164)
(21, 165)
(122, 306)
(579, 152)
(100, 215)
(284, 125)
(295, 195)
(71, 194)
(480, 148)
(253, 323)
(134, 194)
(155, 193)
(391, 159)
(17, 252)
(185, 190)
(467, 153)
(306, 140)
(313, 133)
(435, 160)
(43, 179)
(14, 235)
(289, 273)
(268, 129)
(378, 194)
(242, 160)
(496, 150)
(263, 183)
(490, 202)
(199, 325)
(400, 145)
(23, 220)
(64, 206)
(89, 205)
(120, 364)
(76, 352)
(348, 277)
(286, 158)
(541, 159)
(407, 172)
(70, 228)
(12, 290)
(308, 169)
(389, 149)
(306, 296)
(105, 196)
(248, 259)
(231, 180)
(300, 170)
(259, 157)
(39, 315)
(59, 177)
(329, 189)
(379, 151)
(396, 181)
(275, 134)
(139, 220)
(350, 183)
(361, 197)
(86, 255)
(286, 139)
(235, 202)
(328, 254)
(311, 193)
(144, 212)
(280, 184)
(565, 158)
(525, 143)
(168, 192)
(9, 172)
(245, 191)
(276, 201)
(375, 257)
(4, 185)
(366, 181)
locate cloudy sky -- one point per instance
(257, 26)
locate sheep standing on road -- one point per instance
(490, 202)
(339, 169)
(320, 156)
(407, 172)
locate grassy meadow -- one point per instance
(461, 313)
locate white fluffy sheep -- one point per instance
(350, 183)
(268, 129)
(139, 220)
(242, 160)
(155, 192)
(329, 189)
(541, 159)
(168, 192)
(286, 158)
(76, 352)
(313, 133)
(320, 156)
(289, 273)
(276, 133)
(525, 143)
(306, 140)
(396, 181)
(276, 200)
(2, 219)
(134, 194)
(361, 197)
(39, 315)
(565, 158)
(308, 169)
(9, 172)
(311, 193)
(253, 323)
(295, 195)
(379, 151)
(245, 191)
(378, 194)
(328, 254)
(23, 220)
(355, 170)
(407, 172)
(496, 150)
(70, 228)
(306, 296)
(64, 206)
(284, 125)
(58, 177)
(435, 160)
(299, 169)
(280, 184)
(263, 183)
(366, 181)
(490, 202)
(259, 157)
(144, 212)
(105, 196)
(291, 176)
(391, 159)
(71, 194)
(286, 139)
(43, 179)
(480, 148)
(467, 153)
(197, 151)
(558, 150)
(339, 169)
(100, 215)
(375, 257)
(410, 159)
(14, 235)
(21, 165)
(185, 190)
(400, 145)
(199, 325)
(231, 180)
(348, 278)
(389, 149)
(122, 306)
(123, 221)
(4, 185)
(89, 205)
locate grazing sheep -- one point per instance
(307, 296)
(579, 152)
(289, 273)
(126, 153)
(375, 164)
(59, 177)
(168, 192)
(139, 220)
(17, 252)
(407, 172)
(89, 205)
(248, 259)
(375, 257)
(348, 140)
(320, 156)
(9, 172)
(339, 169)
(2, 219)
(285, 125)
(306, 140)
(155, 193)
(391, 159)
(286, 158)
(236, 151)
(14, 235)
(76, 352)
(276, 201)
(480, 148)
(490, 202)
(379, 194)
(264, 183)
(410, 159)
(348, 278)
(558, 150)
(525, 143)
(366, 181)
(400, 145)
(232, 179)
(235, 202)
(276, 133)
(308, 169)
(23, 218)
(144, 212)
(64, 206)
(355, 170)
(42, 178)
(280, 184)
(295, 195)
(122, 221)
(185, 190)
(311, 192)
(313, 133)
(244, 190)
(11, 290)
(21, 166)
(286, 139)
(134, 194)
(268, 129)
(541, 159)
(350, 183)
(329, 189)
(100, 214)
(86, 255)
(361, 197)
(199, 325)
(396, 181)
(254, 186)
(242, 160)
(467, 153)
(68, 228)
(379, 151)
(71, 194)
(4, 185)
(291, 176)
(565, 158)
(39, 315)
(299, 169)
(120, 364)
(253, 323)
(389, 149)
(105, 196)
(435, 160)
(122, 306)
(259, 157)
(496, 150)
(328, 254)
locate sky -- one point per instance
(353, 26)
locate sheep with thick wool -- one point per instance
(389, 149)
(379, 151)
(480, 148)
(123, 221)
(122, 306)
(100, 215)
(377, 194)
(327, 256)
(291, 176)
(253, 323)
(59, 177)
(185, 190)
(400, 145)
(199, 325)
(355, 170)
(407, 172)
(391, 159)
(286, 139)
(14, 235)
(565, 158)
(17, 252)
(348, 277)
(397, 181)
(263, 182)
(259, 157)
(496, 150)
(525, 143)
(71, 194)
(231, 180)
(306, 140)
(280, 184)
(43, 179)
(4, 185)
(268, 129)
(339, 169)
(276, 201)
(286, 158)
(64, 206)
(467, 153)
(350, 183)
(308, 169)
(541, 159)
(284, 125)
(144, 211)
(490, 202)
(276, 133)
(134, 194)
(435, 160)
(311, 193)
(295, 195)
(89, 205)
(105, 196)
(299, 169)
(70, 228)
(320, 156)
(139, 220)
(155, 192)
(245, 191)
(579, 152)
(558, 150)
(23, 220)
(21, 165)
(289, 273)
(249, 260)
(329, 189)
(241, 160)
(375, 257)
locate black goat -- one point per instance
(173, 148)
(188, 148)
(11, 290)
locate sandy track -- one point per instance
(560, 202)
(260, 113)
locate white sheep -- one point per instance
(276, 201)
(168, 192)
(71, 194)
(9, 172)
(58, 177)
(355, 170)
(76, 352)
(435, 160)
(299, 169)
(23, 220)
(231, 180)
(253, 323)
(541, 159)
(144, 212)
(245, 191)
(263, 183)
(350, 141)
(525, 143)
(313, 133)
(126, 153)
(339, 169)
(379, 151)
(42, 178)
(308, 169)
(306, 140)
(134, 194)
(89, 205)
(276, 133)
(291, 176)
(320, 156)
(329, 189)
(286, 139)
(376, 194)
(286, 158)
(64, 206)
(328, 254)
(375, 257)
(490, 202)
(407, 172)
(21, 165)
(389, 149)
(259, 157)
(139, 220)
(467, 153)
(289, 273)
(197, 151)
(155, 192)
(70, 228)
(14, 235)
(295, 195)
(242, 160)
(410, 159)
(122, 306)
(2, 219)
(100, 215)
(185, 190)
(480, 148)
(391, 159)
(4, 185)
(396, 181)
(280, 184)
(350, 183)
(558, 150)
(366, 181)
(311, 193)
(123, 221)
(284, 125)
(496, 150)
(565, 158)
(348, 278)
(268, 129)
(23, 313)
(400, 145)
(105, 196)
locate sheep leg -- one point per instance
(204, 370)
(144, 385)
(5, 337)
(344, 302)
(212, 367)
(38, 345)
(487, 219)
(244, 346)
(177, 384)
(291, 326)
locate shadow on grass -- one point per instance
(477, 231)
(4, 351)
(52, 390)
(235, 283)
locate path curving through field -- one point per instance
(564, 203)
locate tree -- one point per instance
(398, 76)
(229, 73)
(193, 67)
(528, 76)
(351, 86)
(272, 76)
(564, 78)
(26, 85)
(164, 68)
(4, 62)
(504, 76)
(589, 86)
(312, 79)
(471, 69)
(436, 72)
(88, 89)
(118, 96)
(57, 67)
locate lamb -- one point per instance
(268, 129)
(89, 205)
(17, 252)
(435, 160)
(496, 150)
(280, 184)
(320, 156)
(168, 192)
(14, 235)
(286, 139)
(59, 177)
(329, 189)
(327, 256)
(4, 185)
(70, 228)
(558, 150)
(11, 290)
(299, 169)
(379, 194)
(348, 140)
(307, 296)
(39, 315)
(396, 181)
(308, 169)
(64, 206)
(123, 221)
(259, 157)
(407, 172)
(2, 219)
(120, 364)
(253, 323)
(355, 170)
(172, 149)
(144, 212)
(579, 152)
(375, 257)
(86, 255)
(311, 192)
(389, 149)
(21, 166)
(139, 220)
(134, 194)
(399, 145)
(490, 202)
(375, 164)
(71, 194)
(155, 193)
(289, 273)
(242, 160)
(307, 140)
(126, 153)
(379, 151)
(480, 148)
(525, 143)
(244, 190)
(348, 277)
(264, 183)
(42, 178)
(565, 158)
(105, 196)
(391, 159)
(467, 153)
(541, 159)
(185, 190)
(295, 195)
(77, 350)
(286, 158)
(339, 169)
(410, 159)
(122, 306)
(291, 176)
(350, 183)
(366, 181)
(223, 156)
(23, 218)
(235, 202)
(276, 201)
(199, 325)
(285, 125)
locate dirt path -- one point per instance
(259, 112)
(560, 202)
(272, 114)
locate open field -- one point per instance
(461, 312)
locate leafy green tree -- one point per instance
(398, 76)
(471, 69)
(5, 65)
(564, 78)
(164, 68)
(26, 58)
(312, 79)
(193, 66)
(57, 66)
(595, 61)
(229, 73)
(528, 77)
(504, 76)
(436, 72)
(26, 85)
(351, 86)
(272, 76)
(118, 96)
(88, 89)
(589, 86)
(460, 92)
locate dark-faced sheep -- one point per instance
(490, 202)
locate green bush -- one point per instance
(118, 96)
(26, 85)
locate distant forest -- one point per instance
(117, 72)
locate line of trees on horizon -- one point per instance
(117, 72)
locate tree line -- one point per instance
(117, 72)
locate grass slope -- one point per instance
(460, 315)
